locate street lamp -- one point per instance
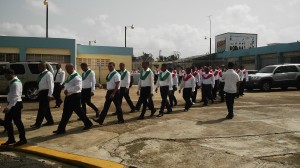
(90, 42)
(46, 3)
(209, 36)
(132, 27)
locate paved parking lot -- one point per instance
(264, 133)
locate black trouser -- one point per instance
(145, 95)
(180, 79)
(155, 78)
(44, 109)
(139, 104)
(107, 104)
(86, 99)
(187, 94)
(221, 91)
(125, 94)
(238, 88)
(215, 89)
(14, 114)
(56, 94)
(172, 97)
(164, 92)
(207, 90)
(229, 102)
(195, 93)
(72, 103)
(242, 87)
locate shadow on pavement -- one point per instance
(211, 121)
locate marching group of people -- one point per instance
(79, 89)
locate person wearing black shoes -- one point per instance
(112, 95)
(88, 88)
(196, 75)
(207, 83)
(72, 91)
(231, 79)
(172, 98)
(146, 88)
(45, 86)
(13, 109)
(222, 83)
(215, 89)
(165, 83)
(59, 78)
(188, 85)
(124, 89)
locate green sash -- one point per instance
(10, 83)
(86, 74)
(123, 75)
(143, 77)
(41, 75)
(163, 78)
(71, 77)
(109, 77)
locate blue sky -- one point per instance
(167, 25)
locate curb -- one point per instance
(73, 159)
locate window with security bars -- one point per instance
(93, 63)
(48, 58)
(9, 57)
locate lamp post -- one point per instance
(90, 42)
(132, 27)
(209, 37)
(46, 3)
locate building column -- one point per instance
(257, 62)
(22, 54)
(280, 59)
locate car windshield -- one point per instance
(267, 70)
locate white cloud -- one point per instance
(39, 4)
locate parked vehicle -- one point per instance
(274, 76)
(27, 72)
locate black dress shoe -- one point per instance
(88, 127)
(58, 132)
(175, 104)
(120, 122)
(9, 142)
(141, 118)
(229, 117)
(132, 111)
(115, 113)
(97, 114)
(35, 126)
(160, 115)
(47, 124)
(20, 143)
(97, 121)
(56, 106)
(152, 112)
(185, 110)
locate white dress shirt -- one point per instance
(89, 81)
(149, 81)
(209, 81)
(175, 80)
(197, 77)
(15, 92)
(110, 85)
(60, 77)
(231, 78)
(216, 74)
(74, 85)
(221, 75)
(190, 83)
(245, 72)
(181, 72)
(126, 81)
(241, 75)
(47, 83)
(167, 82)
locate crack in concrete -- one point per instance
(283, 154)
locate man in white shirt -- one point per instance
(113, 80)
(59, 78)
(222, 83)
(215, 72)
(125, 84)
(88, 88)
(72, 91)
(245, 78)
(13, 109)
(196, 75)
(231, 79)
(146, 88)
(188, 85)
(165, 83)
(241, 78)
(181, 74)
(172, 98)
(207, 83)
(46, 86)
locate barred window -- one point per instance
(93, 63)
(9, 57)
(48, 58)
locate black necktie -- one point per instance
(55, 75)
